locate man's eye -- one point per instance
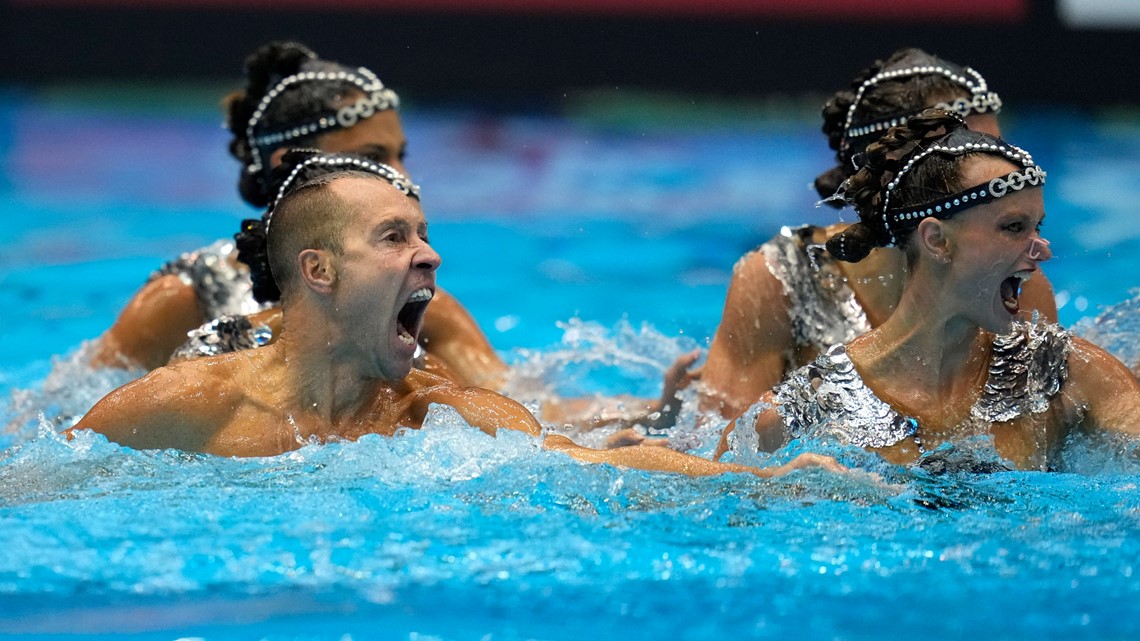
(1015, 227)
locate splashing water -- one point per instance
(69, 390)
(1116, 329)
(518, 542)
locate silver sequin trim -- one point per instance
(222, 288)
(235, 333)
(222, 336)
(828, 397)
(823, 310)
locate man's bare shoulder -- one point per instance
(482, 408)
(179, 406)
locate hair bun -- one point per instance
(252, 249)
(852, 244)
(271, 62)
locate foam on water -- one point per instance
(513, 539)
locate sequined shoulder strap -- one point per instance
(221, 288)
(221, 336)
(823, 310)
(827, 397)
(1027, 369)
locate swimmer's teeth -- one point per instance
(1019, 279)
(405, 337)
(420, 295)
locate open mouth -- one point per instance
(412, 314)
(1011, 291)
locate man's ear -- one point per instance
(317, 270)
(934, 239)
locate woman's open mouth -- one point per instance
(412, 314)
(1011, 290)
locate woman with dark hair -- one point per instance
(292, 98)
(954, 360)
(790, 299)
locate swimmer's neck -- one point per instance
(923, 343)
(321, 373)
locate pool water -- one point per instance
(593, 245)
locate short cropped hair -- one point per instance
(310, 216)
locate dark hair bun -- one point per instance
(852, 244)
(253, 250)
(264, 68)
(272, 62)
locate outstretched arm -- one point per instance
(490, 412)
(661, 459)
(626, 411)
(752, 343)
(483, 409)
(152, 325)
(1037, 294)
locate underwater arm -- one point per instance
(152, 325)
(451, 335)
(748, 353)
(626, 411)
(661, 459)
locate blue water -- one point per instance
(593, 246)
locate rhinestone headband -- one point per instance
(958, 143)
(376, 98)
(981, 99)
(335, 163)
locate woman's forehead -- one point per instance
(982, 168)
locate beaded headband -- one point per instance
(958, 143)
(981, 99)
(376, 98)
(343, 162)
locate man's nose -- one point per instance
(427, 258)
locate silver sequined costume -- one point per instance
(235, 333)
(823, 310)
(221, 336)
(221, 287)
(827, 398)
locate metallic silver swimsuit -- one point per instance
(221, 287)
(827, 398)
(221, 336)
(823, 310)
(233, 334)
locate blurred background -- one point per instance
(1057, 52)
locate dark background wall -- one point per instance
(507, 53)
